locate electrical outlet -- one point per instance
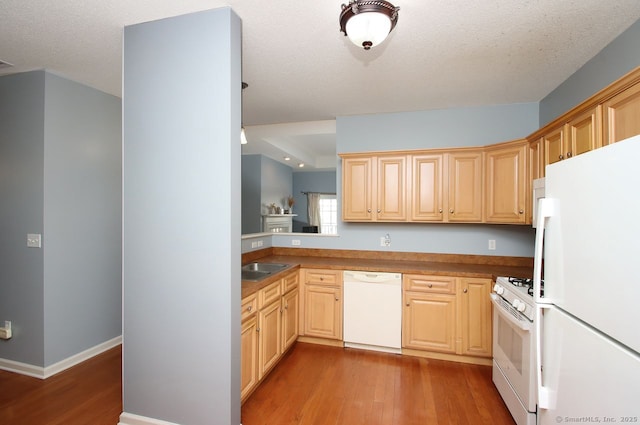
(492, 244)
(382, 241)
(34, 240)
(5, 333)
(260, 243)
(295, 242)
(254, 244)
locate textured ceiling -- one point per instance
(300, 68)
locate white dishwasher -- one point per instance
(373, 311)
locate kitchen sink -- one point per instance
(258, 271)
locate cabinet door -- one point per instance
(554, 146)
(622, 115)
(465, 187)
(357, 189)
(506, 184)
(426, 188)
(289, 319)
(270, 337)
(248, 356)
(536, 159)
(323, 312)
(583, 133)
(428, 322)
(475, 317)
(391, 194)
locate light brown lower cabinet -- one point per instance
(269, 337)
(322, 303)
(475, 317)
(269, 327)
(290, 309)
(248, 356)
(447, 314)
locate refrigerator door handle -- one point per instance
(544, 394)
(545, 210)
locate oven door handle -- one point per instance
(523, 325)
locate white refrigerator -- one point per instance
(588, 321)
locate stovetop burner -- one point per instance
(526, 283)
(519, 281)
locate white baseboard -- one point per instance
(46, 372)
(131, 419)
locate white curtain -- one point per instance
(313, 209)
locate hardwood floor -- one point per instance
(312, 385)
(87, 394)
(319, 385)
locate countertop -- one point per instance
(458, 265)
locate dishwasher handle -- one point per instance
(372, 277)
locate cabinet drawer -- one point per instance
(269, 294)
(323, 277)
(433, 284)
(290, 282)
(249, 306)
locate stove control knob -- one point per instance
(516, 304)
(498, 289)
(521, 307)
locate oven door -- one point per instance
(513, 345)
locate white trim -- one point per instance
(46, 372)
(131, 419)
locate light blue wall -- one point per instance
(277, 183)
(309, 181)
(264, 181)
(22, 212)
(251, 194)
(83, 218)
(181, 265)
(617, 59)
(424, 130)
(60, 159)
(441, 128)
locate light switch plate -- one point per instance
(34, 240)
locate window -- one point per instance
(328, 214)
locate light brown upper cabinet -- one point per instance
(622, 115)
(583, 132)
(427, 199)
(579, 135)
(464, 186)
(506, 182)
(374, 188)
(554, 146)
(536, 159)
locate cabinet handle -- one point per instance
(286, 307)
(560, 157)
(430, 285)
(440, 210)
(464, 290)
(379, 211)
(368, 210)
(257, 329)
(569, 154)
(321, 279)
(408, 304)
(451, 210)
(337, 299)
(249, 308)
(521, 211)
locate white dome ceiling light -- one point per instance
(368, 23)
